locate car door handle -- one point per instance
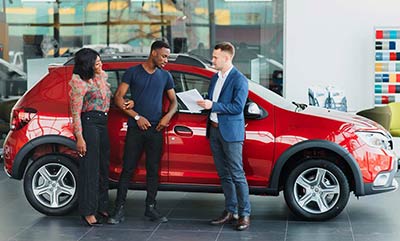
(183, 131)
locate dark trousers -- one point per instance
(136, 141)
(93, 167)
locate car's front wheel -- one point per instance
(316, 190)
(50, 184)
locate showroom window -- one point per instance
(51, 28)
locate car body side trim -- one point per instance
(192, 188)
(21, 160)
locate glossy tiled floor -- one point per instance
(368, 219)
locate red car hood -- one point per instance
(359, 122)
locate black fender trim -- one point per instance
(21, 160)
(276, 172)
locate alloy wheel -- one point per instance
(316, 190)
(54, 185)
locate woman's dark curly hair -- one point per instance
(85, 60)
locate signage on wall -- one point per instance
(387, 65)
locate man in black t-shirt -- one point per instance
(147, 82)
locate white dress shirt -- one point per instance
(217, 90)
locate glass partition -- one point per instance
(52, 28)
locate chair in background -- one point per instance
(379, 114)
(395, 120)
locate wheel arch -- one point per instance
(317, 149)
(22, 158)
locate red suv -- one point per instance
(315, 156)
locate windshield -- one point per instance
(271, 97)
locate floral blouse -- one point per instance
(93, 94)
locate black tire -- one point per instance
(303, 190)
(49, 175)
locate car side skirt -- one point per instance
(195, 188)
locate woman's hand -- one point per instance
(81, 146)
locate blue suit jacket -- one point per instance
(230, 105)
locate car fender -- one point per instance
(21, 160)
(347, 157)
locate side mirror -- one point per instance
(252, 111)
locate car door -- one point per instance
(190, 157)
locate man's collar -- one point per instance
(226, 73)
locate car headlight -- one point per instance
(375, 139)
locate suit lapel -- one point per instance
(212, 86)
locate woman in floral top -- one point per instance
(90, 101)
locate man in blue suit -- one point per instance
(225, 128)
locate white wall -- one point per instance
(331, 42)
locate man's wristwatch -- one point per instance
(137, 117)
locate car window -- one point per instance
(114, 78)
(271, 97)
(185, 81)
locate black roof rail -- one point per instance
(191, 60)
(185, 59)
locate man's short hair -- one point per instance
(159, 44)
(226, 47)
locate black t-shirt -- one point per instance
(147, 92)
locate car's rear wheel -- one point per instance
(316, 190)
(50, 184)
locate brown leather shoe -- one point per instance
(243, 223)
(226, 217)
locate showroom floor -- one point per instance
(370, 218)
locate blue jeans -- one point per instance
(228, 161)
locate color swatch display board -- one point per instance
(387, 65)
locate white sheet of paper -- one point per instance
(189, 98)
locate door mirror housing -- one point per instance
(252, 111)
